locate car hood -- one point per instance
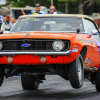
(38, 35)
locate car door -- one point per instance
(4, 24)
(93, 51)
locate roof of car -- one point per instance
(57, 15)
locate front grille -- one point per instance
(34, 45)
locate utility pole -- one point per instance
(34, 1)
(80, 7)
(51, 2)
(66, 7)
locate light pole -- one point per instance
(34, 1)
(51, 2)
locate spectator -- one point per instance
(53, 10)
(12, 23)
(0, 22)
(5, 17)
(37, 10)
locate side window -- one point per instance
(89, 26)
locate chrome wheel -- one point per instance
(79, 71)
(76, 72)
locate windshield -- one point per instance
(48, 24)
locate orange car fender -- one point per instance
(76, 47)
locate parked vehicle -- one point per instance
(62, 44)
(15, 12)
(96, 18)
(4, 26)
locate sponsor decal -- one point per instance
(88, 41)
(35, 19)
(83, 40)
(75, 50)
(91, 68)
(79, 37)
(80, 41)
(26, 35)
(84, 65)
(75, 46)
(32, 19)
(87, 62)
(86, 68)
(26, 19)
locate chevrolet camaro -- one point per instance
(62, 44)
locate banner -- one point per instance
(2, 2)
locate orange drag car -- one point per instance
(66, 45)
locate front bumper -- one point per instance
(36, 53)
(33, 58)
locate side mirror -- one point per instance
(94, 32)
(78, 30)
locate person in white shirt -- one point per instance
(53, 10)
(12, 23)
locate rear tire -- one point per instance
(2, 72)
(29, 82)
(97, 81)
(76, 72)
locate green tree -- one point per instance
(71, 6)
(91, 6)
(23, 3)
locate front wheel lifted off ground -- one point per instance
(29, 82)
(76, 72)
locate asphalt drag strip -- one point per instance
(53, 88)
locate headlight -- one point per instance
(1, 45)
(58, 45)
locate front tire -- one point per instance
(97, 81)
(29, 82)
(76, 72)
